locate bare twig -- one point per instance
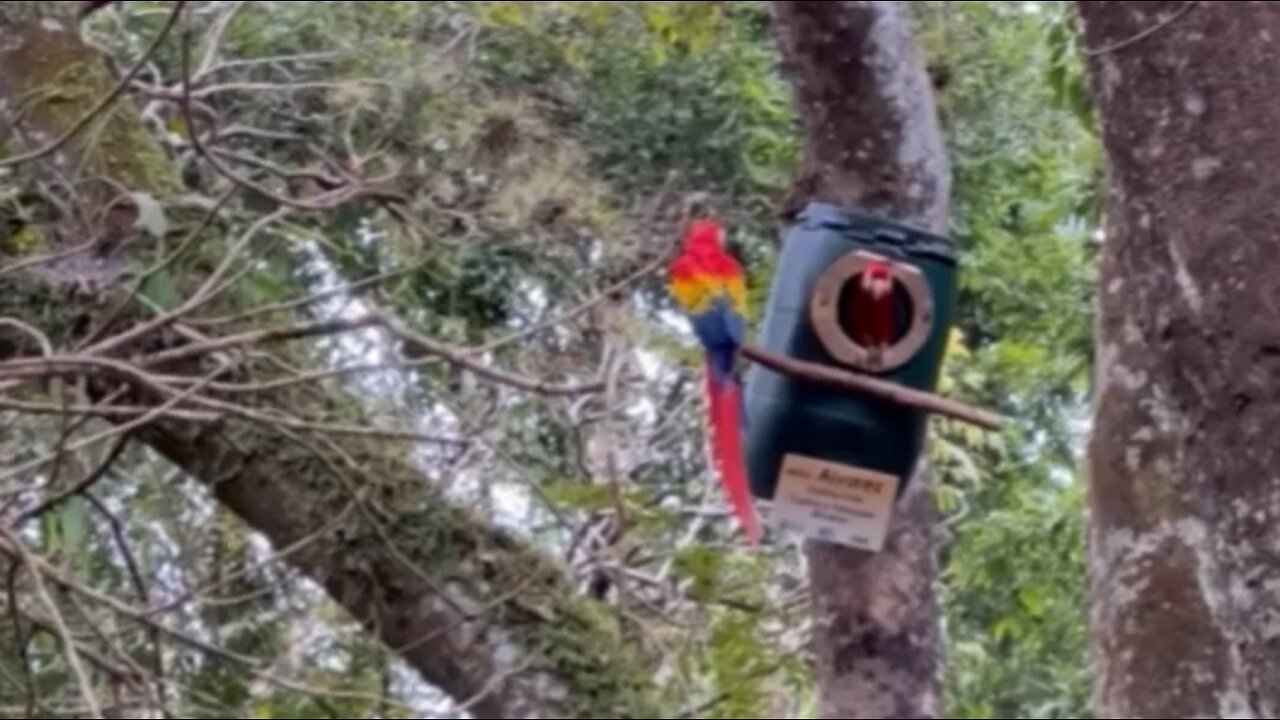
(60, 624)
(615, 363)
(269, 335)
(21, 638)
(51, 257)
(345, 289)
(163, 386)
(422, 345)
(110, 317)
(273, 168)
(493, 686)
(144, 596)
(207, 91)
(282, 555)
(39, 368)
(283, 421)
(237, 131)
(587, 305)
(195, 301)
(115, 412)
(1155, 28)
(81, 487)
(472, 616)
(41, 339)
(9, 546)
(314, 377)
(313, 57)
(328, 201)
(126, 428)
(217, 35)
(102, 663)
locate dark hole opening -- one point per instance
(864, 319)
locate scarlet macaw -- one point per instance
(873, 308)
(709, 285)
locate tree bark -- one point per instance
(873, 143)
(1184, 492)
(483, 617)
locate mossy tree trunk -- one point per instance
(873, 143)
(1184, 494)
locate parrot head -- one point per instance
(703, 273)
(877, 279)
(704, 237)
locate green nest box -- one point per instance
(827, 461)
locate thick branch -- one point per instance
(872, 144)
(929, 402)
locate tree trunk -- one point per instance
(1185, 495)
(873, 143)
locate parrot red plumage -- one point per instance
(872, 306)
(709, 285)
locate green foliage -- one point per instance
(1017, 606)
(1026, 165)
(715, 116)
(661, 91)
(739, 663)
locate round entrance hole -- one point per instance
(872, 322)
(871, 334)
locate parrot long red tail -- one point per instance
(725, 403)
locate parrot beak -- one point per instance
(877, 281)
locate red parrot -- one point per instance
(872, 307)
(710, 287)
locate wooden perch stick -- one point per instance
(893, 392)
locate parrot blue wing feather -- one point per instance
(721, 331)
